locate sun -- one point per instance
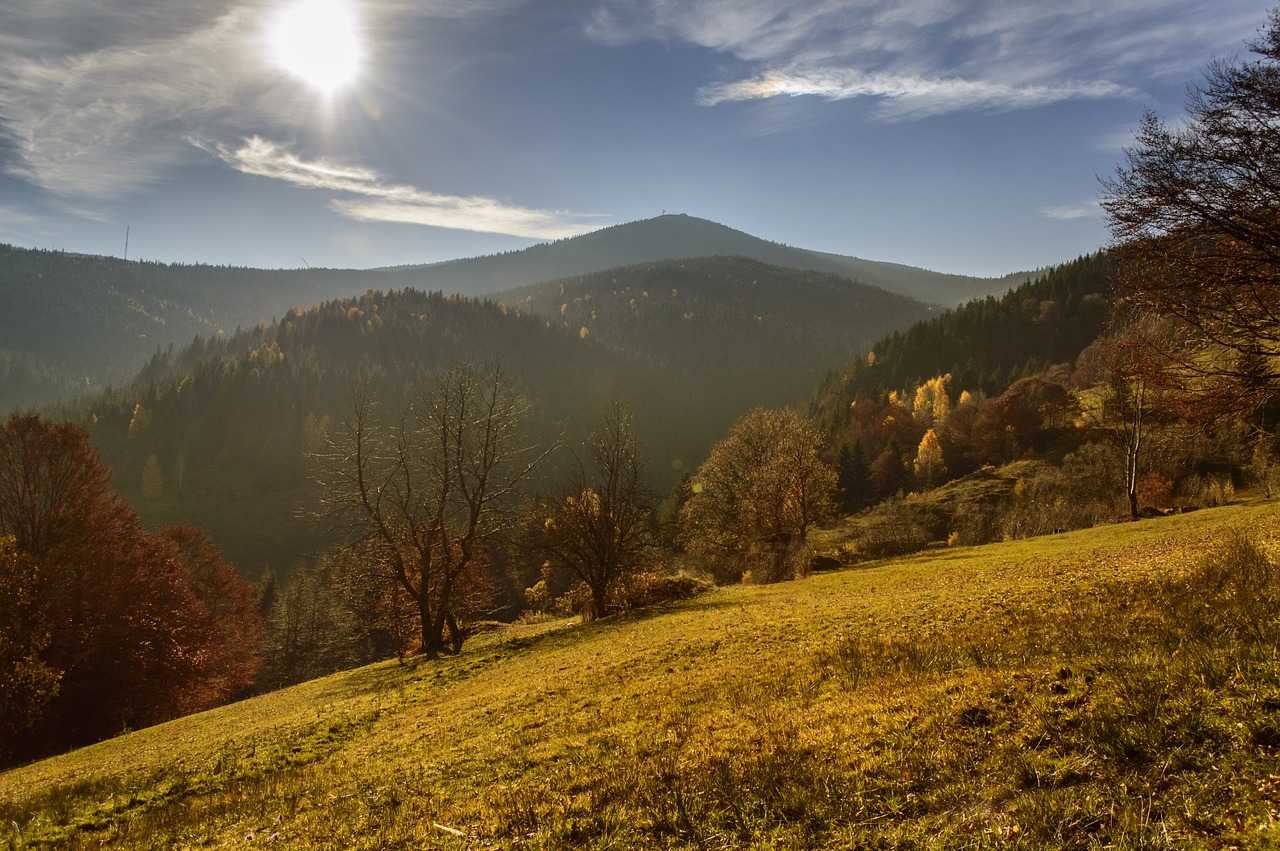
(317, 41)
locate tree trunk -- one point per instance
(456, 635)
(598, 596)
(431, 629)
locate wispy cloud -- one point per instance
(379, 201)
(99, 100)
(905, 96)
(100, 108)
(1070, 212)
(924, 57)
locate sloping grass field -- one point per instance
(1112, 688)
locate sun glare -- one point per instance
(317, 41)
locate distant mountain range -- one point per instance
(73, 323)
(675, 237)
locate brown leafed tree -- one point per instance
(423, 494)
(227, 608)
(120, 618)
(598, 526)
(27, 683)
(760, 491)
(1195, 215)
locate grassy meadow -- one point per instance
(1111, 688)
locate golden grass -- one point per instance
(1039, 693)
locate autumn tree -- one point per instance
(227, 609)
(929, 465)
(27, 683)
(128, 621)
(1131, 396)
(598, 525)
(932, 402)
(1028, 417)
(1195, 214)
(422, 494)
(760, 491)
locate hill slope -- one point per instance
(1040, 694)
(752, 332)
(985, 345)
(71, 323)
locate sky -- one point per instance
(964, 136)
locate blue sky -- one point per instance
(958, 135)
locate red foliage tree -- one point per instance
(228, 615)
(1027, 417)
(128, 619)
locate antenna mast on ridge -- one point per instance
(126, 242)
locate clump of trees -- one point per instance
(104, 625)
(1194, 213)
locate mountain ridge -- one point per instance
(676, 236)
(73, 323)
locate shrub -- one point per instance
(648, 589)
(892, 529)
(1206, 491)
(1155, 490)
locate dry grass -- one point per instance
(1117, 687)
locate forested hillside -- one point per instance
(745, 331)
(985, 345)
(217, 434)
(71, 323)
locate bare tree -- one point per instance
(1134, 395)
(598, 526)
(1195, 213)
(422, 495)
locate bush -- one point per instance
(1206, 491)
(892, 529)
(1155, 490)
(649, 589)
(1087, 490)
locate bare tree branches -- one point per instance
(423, 495)
(1195, 214)
(598, 526)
